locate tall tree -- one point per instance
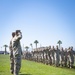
(36, 42)
(5, 48)
(26, 48)
(59, 42)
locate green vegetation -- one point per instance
(33, 68)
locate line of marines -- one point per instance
(53, 56)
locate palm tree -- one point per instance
(31, 46)
(5, 47)
(36, 42)
(26, 48)
(59, 42)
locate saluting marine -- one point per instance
(17, 51)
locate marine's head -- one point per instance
(13, 34)
(52, 47)
(57, 47)
(17, 32)
(62, 48)
(49, 47)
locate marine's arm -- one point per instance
(10, 48)
(19, 36)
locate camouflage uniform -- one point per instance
(56, 56)
(65, 57)
(52, 55)
(17, 51)
(62, 57)
(70, 57)
(11, 54)
(11, 58)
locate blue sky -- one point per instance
(44, 20)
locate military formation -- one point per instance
(15, 52)
(55, 56)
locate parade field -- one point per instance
(33, 68)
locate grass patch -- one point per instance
(33, 68)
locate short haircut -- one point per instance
(13, 34)
(17, 31)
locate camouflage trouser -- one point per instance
(70, 62)
(57, 61)
(12, 65)
(17, 65)
(53, 60)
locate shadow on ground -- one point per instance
(25, 74)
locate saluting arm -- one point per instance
(19, 36)
(10, 46)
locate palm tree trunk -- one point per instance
(59, 46)
(36, 46)
(32, 48)
(5, 50)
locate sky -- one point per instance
(44, 20)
